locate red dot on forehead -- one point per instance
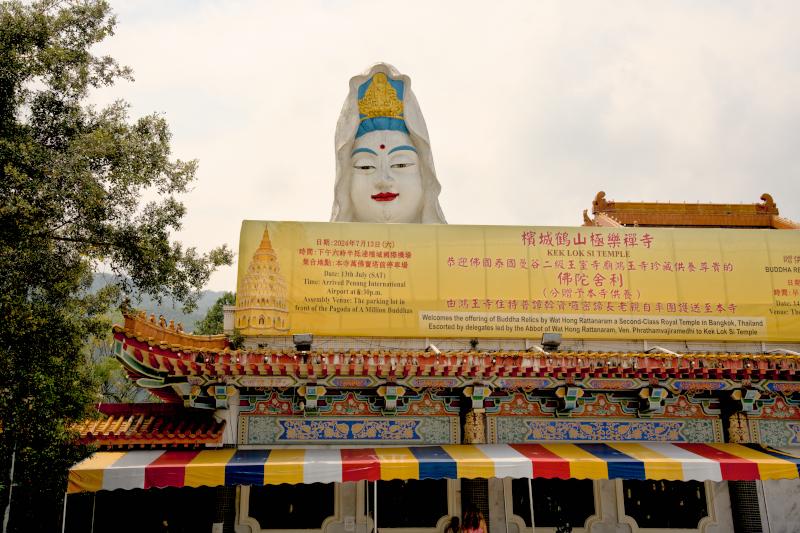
(383, 146)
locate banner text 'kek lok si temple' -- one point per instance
(415, 280)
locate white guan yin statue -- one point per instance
(384, 165)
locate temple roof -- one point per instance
(611, 213)
(151, 425)
(396, 363)
(161, 332)
(205, 377)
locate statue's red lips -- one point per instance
(385, 196)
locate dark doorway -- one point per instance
(171, 510)
(292, 506)
(409, 503)
(665, 504)
(556, 502)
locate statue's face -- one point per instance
(386, 184)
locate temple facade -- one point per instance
(348, 434)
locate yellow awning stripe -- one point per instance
(582, 464)
(397, 463)
(656, 465)
(284, 466)
(471, 462)
(88, 474)
(208, 468)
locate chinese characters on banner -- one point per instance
(405, 280)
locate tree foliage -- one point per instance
(212, 323)
(112, 382)
(72, 180)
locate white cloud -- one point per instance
(532, 107)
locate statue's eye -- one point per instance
(402, 165)
(365, 167)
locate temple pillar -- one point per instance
(474, 430)
(225, 514)
(230, 415)
(476, 492)
(746, 497)
(739, 428)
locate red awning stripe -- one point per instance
(168, 470)
(360, 464)
(731, 467)
(546, 464)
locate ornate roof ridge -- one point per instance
(767, 205)
(143, 408)
(265, 367)
(159, 331)
(693, 214)
(421, 352)
(151, 425)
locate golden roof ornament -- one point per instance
(380, 99)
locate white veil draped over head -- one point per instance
(346, 129)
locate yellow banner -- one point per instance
(415, 280)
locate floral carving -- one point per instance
(778, 432)
(519, 404)
(602, 407)
(512, 429)
(357, 429)
(682, 407)
(426, 406)
(569, 430)
(779, 408)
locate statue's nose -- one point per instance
(385, 180)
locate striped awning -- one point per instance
(683, 462)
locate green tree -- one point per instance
(72, 183)
(113, 383)
(212, 323)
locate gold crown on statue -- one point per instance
(380, 99)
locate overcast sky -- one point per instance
(532, 107)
